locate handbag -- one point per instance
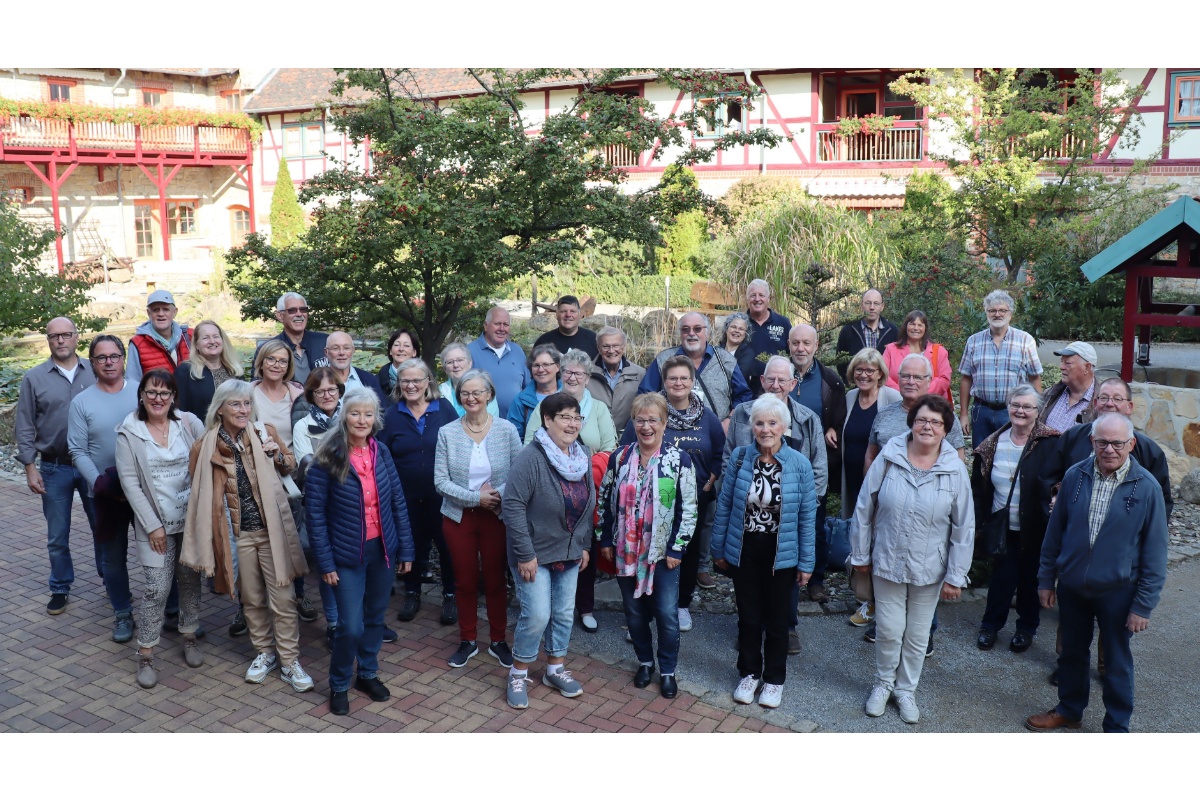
(860, 582)
(995, 530)
(934, 352)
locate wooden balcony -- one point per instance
(36, 139)
(618, 155)
(904, 142)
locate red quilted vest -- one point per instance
(154, 356)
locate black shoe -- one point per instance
(465, 652)
(373, 688)
(869, 633)
(641, 678)
(339, 703)
(929, 646)
(449, 610)
(1054, 677)
(502, 653)
(57, 604)
(306, 610)
(667, 687)
(427, 576)
(330, 635)
(389, 635)
(412, 604)
(238, 627)
(1021, 641)
(986, 640)
(171, 621)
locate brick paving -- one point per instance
(65, 673)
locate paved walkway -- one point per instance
(65, 673)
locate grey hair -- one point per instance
(281, 303)
(544, 349)
(922, 359)
(474, 375)
(996, 298)
(229, 390)
(1023, 389)
(491, 313)
(787, 362)
(450, 348)
(1126, 421)
(431, 389)
(679, 327)
(736, 315)
(768, 405)
(609, 330)
(333, 451)
(758, 283)
(578, 358)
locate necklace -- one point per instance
(157, 432)
(467, 425)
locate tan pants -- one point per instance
(256, 579)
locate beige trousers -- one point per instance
(256, 579)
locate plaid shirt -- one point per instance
(871, 337)
(1102, 492)
(1064, 415)
(996, 371)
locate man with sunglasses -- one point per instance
(40, 432)
(308, 347)
(719, 380)
(1104, 561)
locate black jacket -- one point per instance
(194, 395)
(850, 341)
(1075, 446)
(1035, 477)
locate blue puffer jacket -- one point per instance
(337, 528)
(523, 405)
(796, 544)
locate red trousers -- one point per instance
(477, 544)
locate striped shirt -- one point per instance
(996, 371)
(1004, 468)
(1102, 493)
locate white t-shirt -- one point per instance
(172, 484)
(1004, 465)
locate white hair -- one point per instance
(759, 283)
(787, 362)
(768, 405)
(1027, 390)
(281, 303)
(1125, 421)
(996, 298)
(922, 359)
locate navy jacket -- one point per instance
(413, 450)
(1075, 446)
(193, 395)
(337, 527)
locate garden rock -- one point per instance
(1189, 487)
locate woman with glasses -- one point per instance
(869, 375)
(547, 509)
(543, 366)
(402, 345)
(275, 392)
(915, 338)
(410, 433)
(456, 360)
(914, 533)
(1012, 478)
(735, 338)
(648, 514)
(211, 362)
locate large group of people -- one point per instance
(536, 472)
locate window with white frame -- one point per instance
(1185, 98)
(727, 115)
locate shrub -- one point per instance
(287, 217)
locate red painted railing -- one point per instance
(35, 133)
(904, 142)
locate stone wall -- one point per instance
(1170, 416)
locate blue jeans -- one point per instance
(61, 482)
(661, 605)
(362, 593)
(1075, 615)
(985, 421)
(547, 609)
(115, 554)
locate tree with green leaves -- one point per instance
(30, 296)
(462, 197)
(1019, 143)
(287, 216)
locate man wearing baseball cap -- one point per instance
(160, 342)
(1069, 402)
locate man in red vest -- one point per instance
(158, 342)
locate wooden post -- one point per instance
(1131, 284)
(533, 293)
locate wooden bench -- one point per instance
(711, 298)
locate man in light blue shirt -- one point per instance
(504, 361)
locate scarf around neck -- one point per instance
(573, 465)
(322, 421)
(689, 418)
(635, 520)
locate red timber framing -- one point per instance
(53, 149)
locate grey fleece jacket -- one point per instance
(535, 513)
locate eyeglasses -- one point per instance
(272, 361)
(569, 419)
(332, 391)
(341, 349)
(61, 337)
(1104, 398)
(925, 422)
(454, 362)
(998, 312)
(1022, 408)
(297, 310)
(678, 378)
(611, 347)
(1102, 445)
(574, 374)
(865, 372)
(641, 422)
(904, 376)
(694, 329)
(475, 394)
(776, 381)
(543, 367)
(110, 359)
(413, 381)
(150, 395)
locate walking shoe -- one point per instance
(562, 680)
(449, 610)
(869, 634)
(146, 676)
(412, 604)
(502, 653)
(466, 651)
(192, 654)
(908, 709)
(304, 608)
(389, 635)
(685, 620)
(238, 627)
(705, 581)
(1050, 721)
(262, 665)
(588, 622)
(865, 613)
(339, 703)
(372, 688)
(877, 700)
(986, 639)
(793, 642)
(1021, 641)
(296, 677)
(123, 628)
(771, 695)
(746, 689)
(516, 692)
(817, 593)
(929, 646)
(57, 604)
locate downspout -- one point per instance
(120, 78)
(762, 148)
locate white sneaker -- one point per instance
(261, 667)
(296, 677)
(877, 701)
(685, 620)
(746, 689)
(908, 708)
(771, 695)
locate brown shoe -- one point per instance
(1050, 721)
(793, 643)
(817, 593)
(705, 581)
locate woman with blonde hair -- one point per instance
(274, 391)
(211, 362)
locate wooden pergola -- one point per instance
(1137, 255)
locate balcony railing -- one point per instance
(618, 155)
(894, 144)
(26, 133)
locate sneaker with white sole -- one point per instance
(261, 667)
(465, 652)
(864, 614)
(516, 691)
(908, 708)
(562, 680)
(877, 700)
(771, 695)
(295, 676)
(746, 689)
(685, 620)
(501, 652)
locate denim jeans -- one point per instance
(662, 606)
(362, 598)
(985, 421)
(1015, 571)
(1075, 615)
(547, 611)
(114, 554)
(61, 482)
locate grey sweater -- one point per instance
(92, 428)
(535, 513)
